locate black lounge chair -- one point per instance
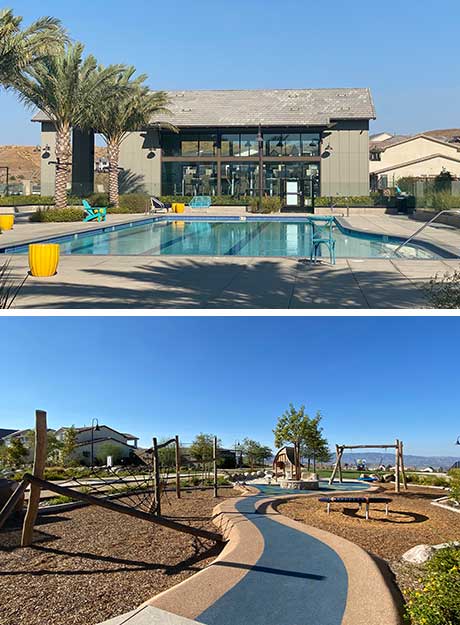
(157, 206)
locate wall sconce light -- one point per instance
(46, 151)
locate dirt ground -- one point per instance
(412, 520)
(91, 564)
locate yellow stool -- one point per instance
(6, 222)
(43, 259)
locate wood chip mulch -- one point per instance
(412, 521)
(91, 564)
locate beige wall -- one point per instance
(411, 151)
(136, 160)
(432, 167)
(346, 170)
(48, 172)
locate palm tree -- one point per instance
(131, 111)
(67, 87)
(20, 48)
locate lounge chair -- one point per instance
(200, 201)
(94, 213)
(157, 206)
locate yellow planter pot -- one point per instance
(179, 208)
(43, 259)
(6, 222)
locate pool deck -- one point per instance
(232, 282)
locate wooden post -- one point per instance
(10, 505)
(401, 461)
(340, 465)
(38, 471)
(177, 468)
(156, 473)
(336, 465)
(214, 462)
(397, 485)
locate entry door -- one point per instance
(292, 192)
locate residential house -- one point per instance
(90, 443)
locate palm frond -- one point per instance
(9, 286)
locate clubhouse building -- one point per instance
(291, 143)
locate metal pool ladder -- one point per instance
(427, 223)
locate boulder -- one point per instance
(418, 554)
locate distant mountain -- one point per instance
(411, 461)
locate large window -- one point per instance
(239, 179)
(189, 178)
(291, 144)
(188, 144)
(239, 144)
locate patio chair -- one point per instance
(321, 234)
(94, 213)
(157, 206)
(200, 201)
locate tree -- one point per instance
(68, 444)
(132, 110)
(202, 448)
(293, 428)
(167, 455)
(315, 448)
(69, 89)
(109, 449)
(254, 452)
(21, 48)
(53, 446)
(16, 453)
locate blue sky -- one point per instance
(373, 378)
(405, 51)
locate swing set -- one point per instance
(132, 494)
(399, 461)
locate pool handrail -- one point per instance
(427, 223)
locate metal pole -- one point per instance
(92, 445)
(156, 472)
(38, 471)
(214, 454)
(177, 468)
(7, 181)
(261, 165)
(397, 485)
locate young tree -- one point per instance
(316, 447)
(21, 47)
(68, 88)
(293, 428)
(167, 455)
(16, 453)
(202, 448)
(109, 449)
(254, 452)
(68, 444)
(131, 110)
(53, 446)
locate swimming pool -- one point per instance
(254, 237)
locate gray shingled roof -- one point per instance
(269, 107)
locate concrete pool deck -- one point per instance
(275, 571)
(232, 281)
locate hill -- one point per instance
(419, 462)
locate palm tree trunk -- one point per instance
(63, 156)
(113, 152)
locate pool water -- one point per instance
(255, 237)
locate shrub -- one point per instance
(437, 601)
(135, 202)
(26, 200)
(216, 200)
(269, 205)
(352, 200)
(58, 214)
(455, 485)
(444, 291)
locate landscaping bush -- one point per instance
(427, 480)
(135, 202)
(352, 200)
(455, 485)
(437, 600)
(444, 291)
(26, 200)
(269, 205)
(58, 214)
(216, 200)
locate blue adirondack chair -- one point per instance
(93, 213)
(200, 201)
(321, 233)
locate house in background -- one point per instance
(98, 439)
(419, 156)
(4, 433)
(24, 437)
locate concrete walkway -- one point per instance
(226, 282)
(275, 571)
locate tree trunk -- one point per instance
(63, 168)
(113, 152)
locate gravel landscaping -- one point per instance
(91, 564)
(412, 521)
